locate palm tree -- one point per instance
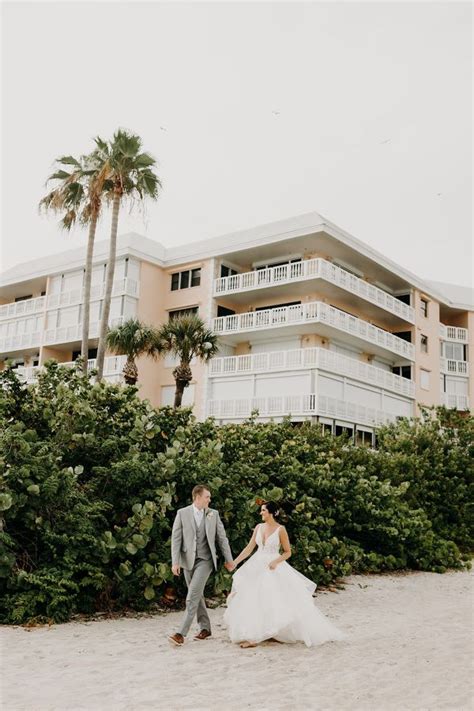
(132, 339)
(128, 173)
(78, 196)
(186, 337)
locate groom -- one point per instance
(193, 548)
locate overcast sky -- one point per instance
(255, 112)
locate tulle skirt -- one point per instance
(275, 604)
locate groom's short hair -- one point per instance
(198, 490)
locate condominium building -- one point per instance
(312, 323)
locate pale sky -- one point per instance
(256, 112)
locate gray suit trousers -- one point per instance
(196, 580)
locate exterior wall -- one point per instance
(155, 300)
(429, 362)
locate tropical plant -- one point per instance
(132, 339)
(91, 477)
(77, 195)
(186, 337)
(128, 173)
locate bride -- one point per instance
(269, 598)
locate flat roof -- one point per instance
(134, 244)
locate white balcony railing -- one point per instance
(314, 311)
(458, 402)
(455, 367)
(304, 358)
(70, 298)
(313, 269)
(297, 406)
(21, 341)
(62, 334)
(113, 366)
(453, 333)
(22, 308)
(28, 307)
(69, 334)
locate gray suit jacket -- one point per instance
(183, 537)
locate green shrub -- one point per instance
(91, 477)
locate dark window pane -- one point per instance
(195, 277)
(224, 270)
(184, 280)
(175, 281)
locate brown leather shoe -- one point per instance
(176, 639)
(203, 634)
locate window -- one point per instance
(183, 280)
(227, 271)
(405, 298)
(344, 430)
(404, 335)
(424, 379)
(224, 311)
(195, 277)
(424, 307)
(182, 312)
(23, 298)
(363, 438)
(403, 370)
(424, 343)
(453, 351)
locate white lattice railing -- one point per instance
(69, 334)
(304, 358)
(314, 311)
(459, 402)
(313, 269)
(22, 308)
(21, 341)
(298, 405)
(75, 296)
(453, 333)
(113, 366)
(456, 367)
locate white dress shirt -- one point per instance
(198, 515)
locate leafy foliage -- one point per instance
(91, 477)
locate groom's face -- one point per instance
(203, 500)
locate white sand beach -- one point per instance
(409, 647)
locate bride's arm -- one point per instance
(285, 544)
(248, 548)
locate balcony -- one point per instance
(454, 367)
(309, 269)
(129, 287)
(458, 402)
(113, 367)
(71, 334)
(452, 333)
(20, 341)
(300, 318)
(305, 358)
(22, 308)
(298, 406)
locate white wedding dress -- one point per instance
(276, 604)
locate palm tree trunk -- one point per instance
(86, 304)
(109, 281)
(178, 393)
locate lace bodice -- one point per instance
(272, 543)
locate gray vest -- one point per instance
(202, 546)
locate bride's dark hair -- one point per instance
(272, 508)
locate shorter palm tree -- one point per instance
(186, 337)
(132, 339)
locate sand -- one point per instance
(409, 646)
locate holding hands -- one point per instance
(230, 566)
